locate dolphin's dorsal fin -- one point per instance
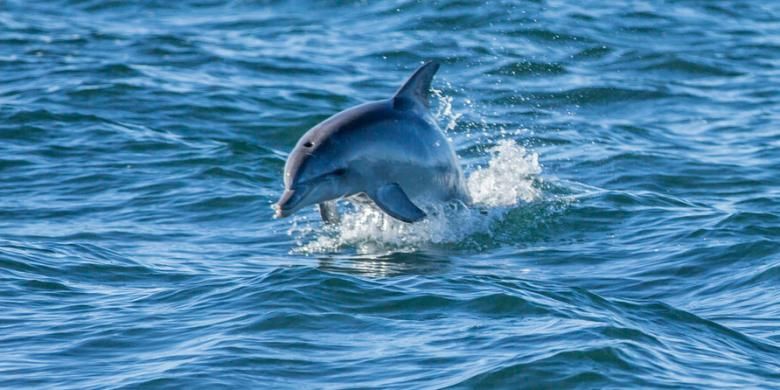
(416, 87)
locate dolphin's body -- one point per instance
(390, 151)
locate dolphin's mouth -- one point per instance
(290, 201)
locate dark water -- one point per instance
(626, 159)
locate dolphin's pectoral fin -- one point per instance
(329, 212)
(393, 201)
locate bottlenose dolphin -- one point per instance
(390, 152)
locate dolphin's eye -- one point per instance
(308, 144)
(340, 172)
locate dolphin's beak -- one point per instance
(289, 202)
(282, 207)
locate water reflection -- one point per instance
(389, 264)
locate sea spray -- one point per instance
(510, 178)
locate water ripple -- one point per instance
(623, 160)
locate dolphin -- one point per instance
(389, 153)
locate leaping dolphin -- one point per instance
(390, 151)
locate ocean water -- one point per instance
(624, 158)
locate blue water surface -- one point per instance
(626, 156)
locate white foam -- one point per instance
(509, 179)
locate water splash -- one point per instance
(510, 178)
(443, 111)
